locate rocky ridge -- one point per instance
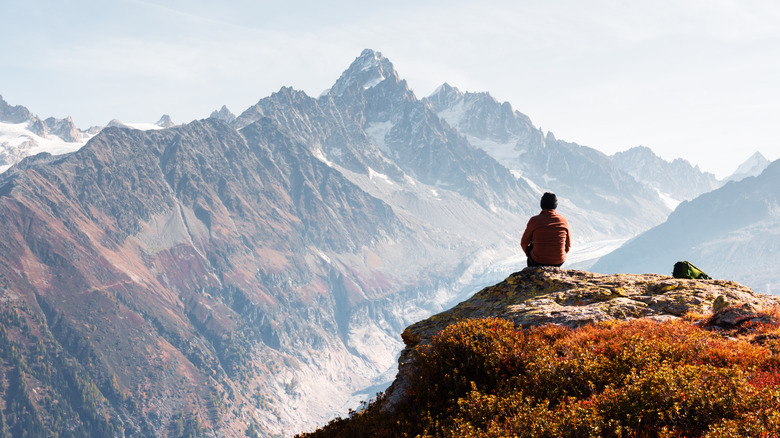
(538, 296)
(678, 179)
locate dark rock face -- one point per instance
(63, 128)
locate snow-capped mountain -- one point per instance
(603, 202)
(675, 181)
(730, 233)
(23, 134)
(753, 166)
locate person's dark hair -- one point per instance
(549, 201)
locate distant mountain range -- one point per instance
(730, 233)
(23, 134)
(254, 271)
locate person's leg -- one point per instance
(531, 263)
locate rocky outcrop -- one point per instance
(37, 127)
(63, 128)
(223, 114)
(537, 296)
(13, 114)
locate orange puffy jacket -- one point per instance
(549, 232)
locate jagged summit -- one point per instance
(677, 180)
(753, 166)
(223, 114)
(13, 114)
(368, 70)
(445, 96)
(165, 122)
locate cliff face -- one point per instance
(538, 296)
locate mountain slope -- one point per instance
(370, 119)
(202, 245)
(753, 166)
(729, 233)
(602, 201)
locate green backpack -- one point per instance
(687, 270)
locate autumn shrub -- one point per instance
(479, 352)
(640, 378)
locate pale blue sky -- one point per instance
(692, 79)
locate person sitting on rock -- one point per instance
(546, 239)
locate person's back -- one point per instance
(546, 239)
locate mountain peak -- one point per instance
(367, 71)
(446, 89)
(116, 123)
(165, 121)
(13, 114)
(753, 166)
(445, 96)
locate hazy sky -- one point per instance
(692, 79)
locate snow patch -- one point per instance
(15, 136)
(372, 174)
(323, 256)
(374, 82)
(318, 154)
(377, 132)
(585, 255)
(144, 126)
(668, 200)
(454, 114)
(504, 153)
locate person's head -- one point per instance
(549, 201)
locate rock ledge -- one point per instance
(536, 296)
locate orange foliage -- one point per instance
(639, 378)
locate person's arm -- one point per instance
(527, 237)
(568, 239)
